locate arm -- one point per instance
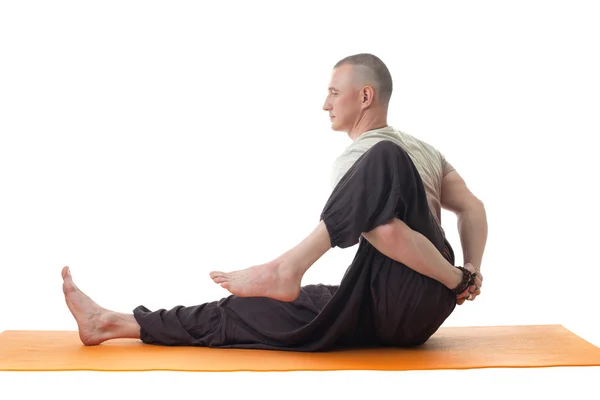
(471, 217)
(399, 242)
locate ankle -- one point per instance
(105, 320)
(302, 256)
(291, 268)
(112, 324)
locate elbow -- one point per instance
(474, 205)
(478, 203)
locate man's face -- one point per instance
(343, 99)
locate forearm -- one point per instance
(473, 231)
(399, 242)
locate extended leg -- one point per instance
(246, 322)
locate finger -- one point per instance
(471, 291)
(462, 297)
(475, 294)
(472, 296)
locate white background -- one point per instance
(145, 144)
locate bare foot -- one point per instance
(272, 279)
(92, 319)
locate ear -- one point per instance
(367, 96)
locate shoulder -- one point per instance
(425, 145)
(429, 150)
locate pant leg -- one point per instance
(233, 321)
(381, 185)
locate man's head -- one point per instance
(359, 93)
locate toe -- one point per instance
(220, 279)
(216, 274)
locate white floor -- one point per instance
(575, 382)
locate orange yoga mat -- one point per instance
(449, 348)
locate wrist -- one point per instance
(454, 278)
(475, 264)
(467, 279)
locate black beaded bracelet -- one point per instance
(467, 280)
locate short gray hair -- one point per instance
(377, 73)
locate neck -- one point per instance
(367, 122)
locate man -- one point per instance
(401, 285)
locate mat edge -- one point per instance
(310, 369)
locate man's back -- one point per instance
(430, 163)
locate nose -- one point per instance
(326, 105)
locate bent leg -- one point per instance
(381, 185)
(379, 301)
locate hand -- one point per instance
(472, 291)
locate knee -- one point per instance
(386, 231)
(381, 235)
(393, 233)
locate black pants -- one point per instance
(379, 302)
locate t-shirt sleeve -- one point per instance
(342, 165)
(337, 171)
(446, 166)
